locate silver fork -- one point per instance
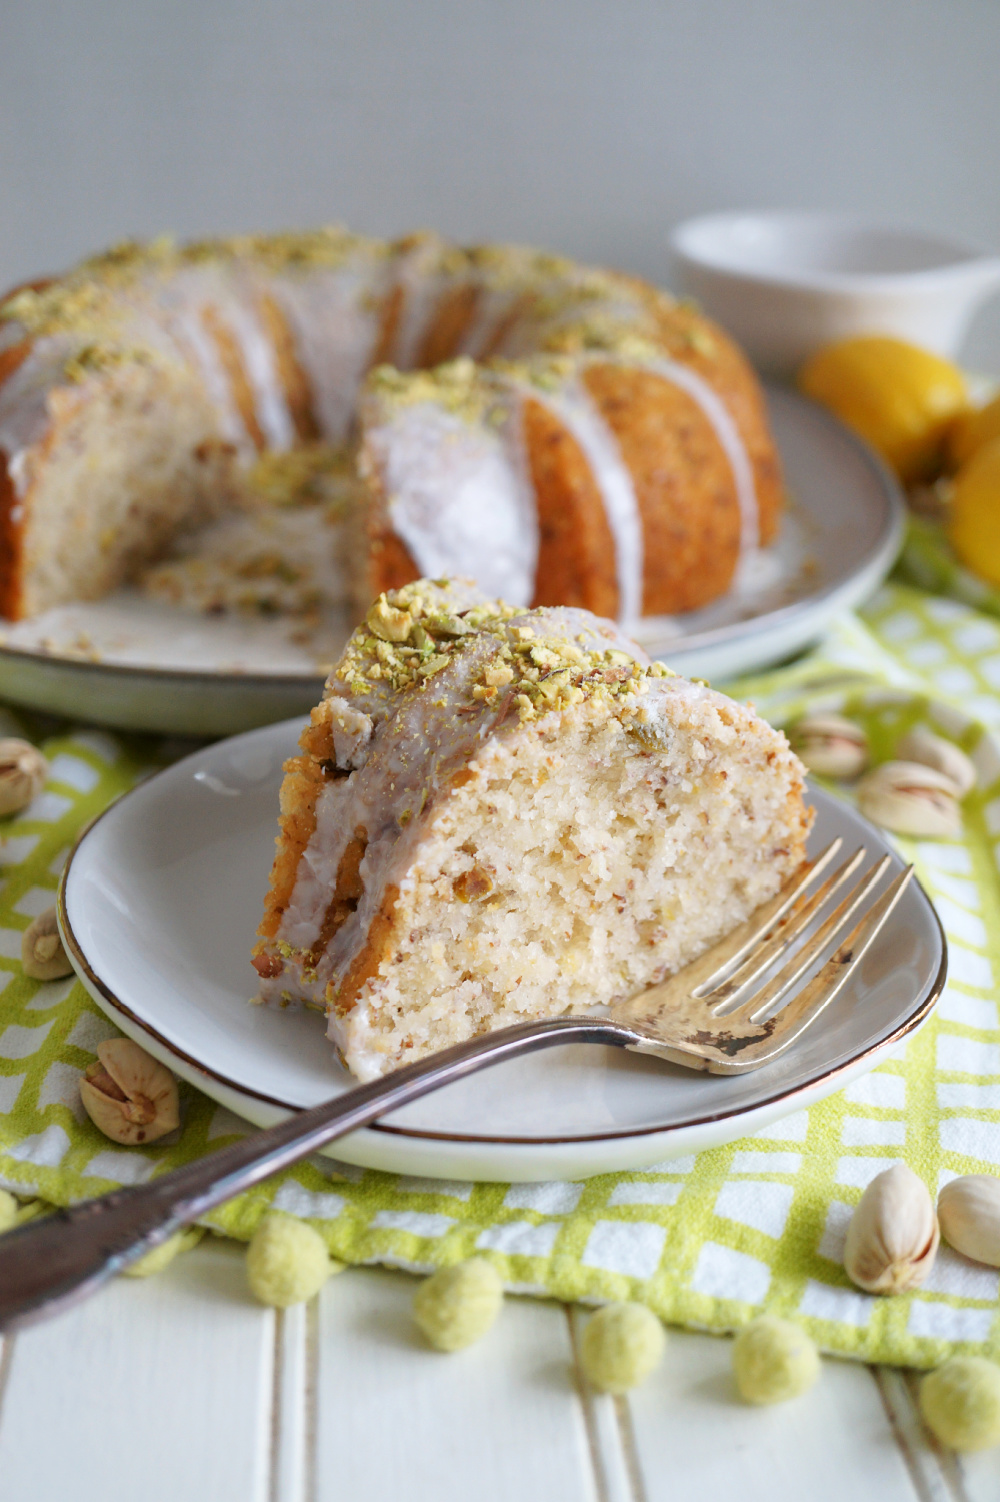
(728, 1012)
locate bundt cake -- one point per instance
(500, 814)
(570, 436)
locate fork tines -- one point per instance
(734, 988)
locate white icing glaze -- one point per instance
(201, 348)
(493, 307)
(729, 437)
(423, 288)
(458, 501)
(334, 319)
(257, 353)
(575, 409)
(24, 403)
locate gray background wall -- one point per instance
(590, 126)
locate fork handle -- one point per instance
(50, 1263)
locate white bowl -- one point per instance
(784, 284)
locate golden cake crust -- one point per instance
(229, 349)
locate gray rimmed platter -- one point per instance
(139, 664)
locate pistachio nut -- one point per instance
(969, 1212)
(830, 745)
(893, 1236)
(128, 1094)
(910, 798)
(922, 745)
(387, 622)
(23, 770)
(42, 954)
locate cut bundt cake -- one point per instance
(500, 814)
(570, 436)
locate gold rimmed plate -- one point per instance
(158, 906)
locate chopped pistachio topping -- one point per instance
(458, 386)
(389, 623)
(93, 358)
(316, 474)
(408, 638)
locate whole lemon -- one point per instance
(971, 430)
(899, 398)
(974, 515)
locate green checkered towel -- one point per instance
(708, 1240)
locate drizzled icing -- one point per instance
(576, 410)
(195, 340)
(729, 437)
(458, 489)
(257, 353)
(334, 319)
(459, 501)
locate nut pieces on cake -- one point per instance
(129, 1095)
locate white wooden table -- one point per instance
(181, 1387)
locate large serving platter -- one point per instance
(158, 908)
(138, 663)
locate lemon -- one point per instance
(974, 515)
(899, 398)
(971, 429)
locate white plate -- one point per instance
(143, 665)
(159, 904)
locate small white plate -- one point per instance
(158, 906)
(143, 665)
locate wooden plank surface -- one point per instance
(696, 1440)
(156, 1388)
(499, 1422)
(181, 1386)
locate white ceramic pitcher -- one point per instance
(786, 283)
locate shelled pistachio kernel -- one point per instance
(910, 798)
(969, 1212)
(42, 954)
(922, 745)
(961, 1403)
(893, 1236)
(773, 1360)
(622, 1345)
(128, 1094)
(287, 1261)
(829, 744)
(23, 770)
(457, 1305)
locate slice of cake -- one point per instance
(500, 814)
